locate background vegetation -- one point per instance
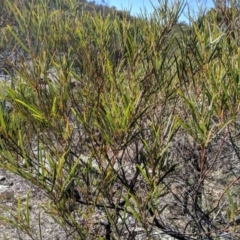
(130, 125)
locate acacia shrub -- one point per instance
(123, 147)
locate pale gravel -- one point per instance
(14, 187)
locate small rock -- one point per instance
(23, 198)
(3, 188)
(7, 195)
(2, 178)
(10, 184)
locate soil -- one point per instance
(14, 190)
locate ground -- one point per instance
(14, 189)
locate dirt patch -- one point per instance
(13, 190)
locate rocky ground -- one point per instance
(225, 171)
(13, 189)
